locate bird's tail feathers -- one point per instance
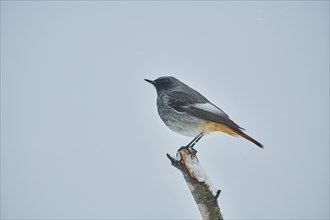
(214, 126)
(247, 137)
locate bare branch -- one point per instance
(204, 193)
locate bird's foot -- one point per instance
(191, 149)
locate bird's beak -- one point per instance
(150, 81)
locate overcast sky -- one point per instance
(80, 133)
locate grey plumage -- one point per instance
(185, 111)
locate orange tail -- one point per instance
(214, 126)
(247, 137)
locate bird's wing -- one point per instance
(200, 108)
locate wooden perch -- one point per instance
(200, 187)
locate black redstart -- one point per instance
(187, 112)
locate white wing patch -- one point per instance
(209, 107)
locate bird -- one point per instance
(187, 112)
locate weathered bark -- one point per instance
(201, 189)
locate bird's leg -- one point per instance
(194, 141)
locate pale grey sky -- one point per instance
(80, 133)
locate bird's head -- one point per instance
(164, 83)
